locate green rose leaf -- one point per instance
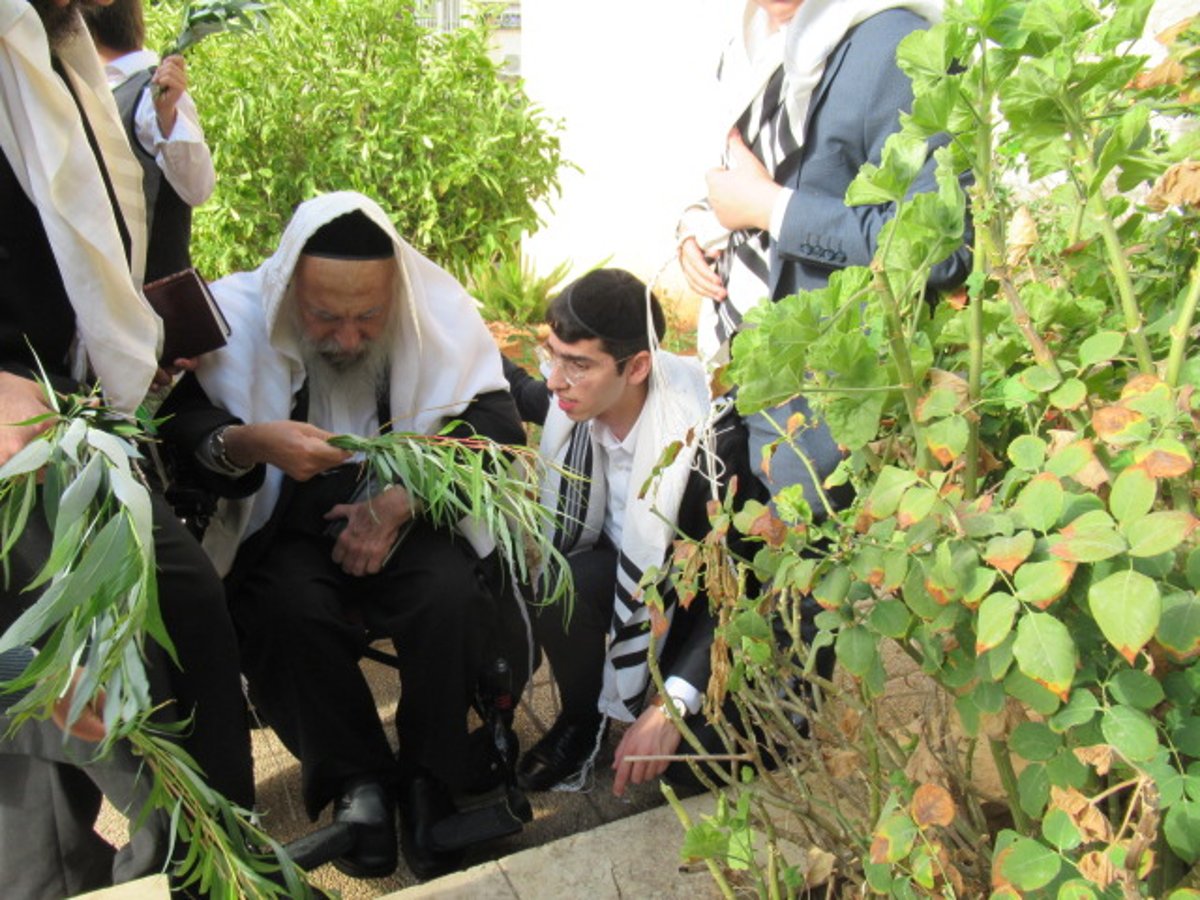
(1100, 347)
(1132, 494)
(1039, 380)
(1186, 737)
(1182, 830)
(1045, 653)
(1071, 394)
(1041, 583)
(1127, 607)
(1131, 732)
(1024, 863)
(916, 504)
(1159, 532)
(893, 839)
(1071, 459)
(831, 591)
(890, 618)
(888, 489)
(856, 650)
(1027, 452)
(1079, 710)
(1076, 889)
(1179, 627)
(1091, 537)
(995, 619)
(1033, 789)
(1135, 688)
(1007, 553)
(1040, 502)
(1034, 741)
(947, 438)
(1060, 831)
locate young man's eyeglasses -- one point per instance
(573, 369)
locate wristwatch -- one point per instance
(660, 702)
(219, 454)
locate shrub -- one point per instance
(352, 94)
(1024, 528)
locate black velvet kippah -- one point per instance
(350, 236)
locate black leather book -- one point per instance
(192, 321)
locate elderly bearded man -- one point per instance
(72, 246)
(347, 329)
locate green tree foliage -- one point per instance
(1024, 458)
(354, 94)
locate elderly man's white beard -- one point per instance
(363, 373)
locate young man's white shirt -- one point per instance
(183, 156)
(617, 463)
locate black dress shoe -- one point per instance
(367, 805)
(425, 801)
(562, 753)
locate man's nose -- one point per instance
(555, 380)
(348, 337)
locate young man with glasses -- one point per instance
(611, 404)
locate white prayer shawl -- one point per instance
(44, 141)
(442, 358)
(747, 68)
(677, 409)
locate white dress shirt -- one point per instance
(183, 156)
(617, 462)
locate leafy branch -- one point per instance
(98, 605)
(473, 478)
(209, 17)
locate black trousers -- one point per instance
(302, 623)
(576, 646)
(205, 686)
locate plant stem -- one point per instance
(1181, 330)
(1117, 263)
(686, 821)
(1008, 778)
(903, 359)
(982, 191)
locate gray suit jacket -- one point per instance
(855, 107)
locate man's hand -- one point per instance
(371, 529)
(653, 734)
(698, 270)
(170, 79)
(164, 375)
(301, 450)
(20, 399)
(743, 195)
(90, 724)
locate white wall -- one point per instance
(630, 79)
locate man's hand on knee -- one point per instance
(20, 400)
(372, 527)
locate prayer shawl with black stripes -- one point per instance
(765, 85)
(677, 410)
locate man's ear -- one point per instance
(637, 367)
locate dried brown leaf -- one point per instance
(1097, 868)
(1022, 235)
(1098, 756)
(932, 805)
